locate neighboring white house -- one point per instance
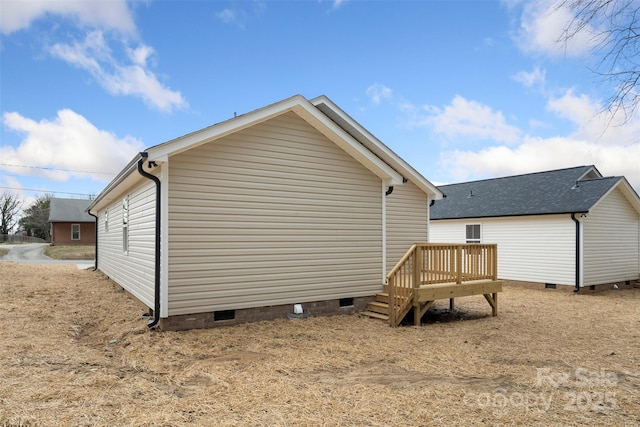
(562, 227)
(293, 203)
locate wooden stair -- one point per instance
(378, 309)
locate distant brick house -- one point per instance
(70, 224)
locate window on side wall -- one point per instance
(75, 231)
(125, 225)
(473, 233)
(106, 220)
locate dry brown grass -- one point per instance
(70, 252)
(3, 251)
(76, 352)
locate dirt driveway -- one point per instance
(76, 352)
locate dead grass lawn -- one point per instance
(76, 352)
(71, 252)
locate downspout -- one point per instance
(573, 217)
(156, 309)
(95, 267)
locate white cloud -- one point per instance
(535, 78)
(542, 25)
(114, 14)
(378, 92)
(540, 154)
(337, 4)
(130, 77)
(593, 123)
(134, 78)
(231, 16)
(68, 142)
(597, 140)
(470, 120)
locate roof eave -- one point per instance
(406, 170)
(511, 215)
(300, 106)
(124, 175)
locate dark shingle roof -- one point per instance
(542, 193)
(69, 210)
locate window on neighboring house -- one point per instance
(75, 231)
(125, 225)
(106, 220)
(473, 233)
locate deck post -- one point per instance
(417, 266)
(459, 264)
(495, 262)
(494, 307)
(416, 314)
(392, 299)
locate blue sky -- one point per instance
(462, 90)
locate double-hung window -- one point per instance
(75, 231)
(473, 233)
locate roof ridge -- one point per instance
(518, 175)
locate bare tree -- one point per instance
(615, 26)
(10, 207)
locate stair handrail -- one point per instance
(399, 264)
(400, 304)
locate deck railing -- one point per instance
(431, 263)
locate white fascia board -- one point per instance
(222, 129)
(127, 178)
(297, 104)
(410, 173)
(591, 169)
(342, 139)
(628, 192)
(124, 175)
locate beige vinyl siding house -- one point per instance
(131, 267)
(569, 226)
(407, 205)
(285, 205)
(279, 213)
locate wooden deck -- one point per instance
(430, 272)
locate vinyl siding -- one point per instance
(133, 271)
(533, 249)
(611, 241)
(273, 214)
(407, 218)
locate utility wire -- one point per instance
(56, 169)
(46, 191)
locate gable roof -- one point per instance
(562, 191)
(69, 210)
(364, 137)
(320, 113)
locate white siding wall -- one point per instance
(133, 271)
(534, 249)
(407, 218)
(611, 241)
(274, 214)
